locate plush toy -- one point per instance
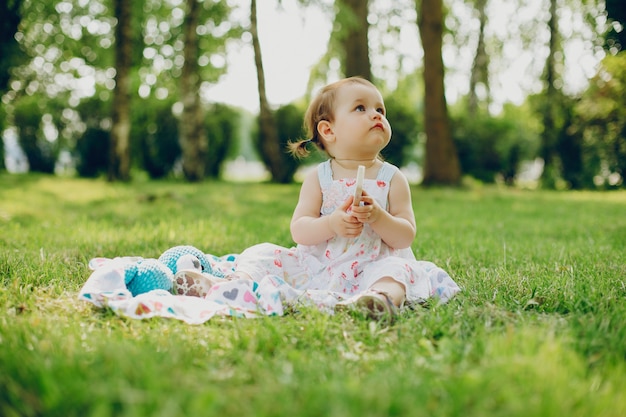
(193, 273)
(147, 275)
(183, 270)
(181, 257)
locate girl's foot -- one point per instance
(374, 304)
(192, 283)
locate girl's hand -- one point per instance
(343, 222)
(369, 211)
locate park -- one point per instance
(537, 327)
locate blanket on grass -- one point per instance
(106, 288)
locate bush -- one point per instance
(577, 162)
(289, 127)
(3, 118)
(490, 146)
(92, 150)
(405, 125)
(154, 137)
(221, 125)
(600, 121)
(40, 152)
(2, 167)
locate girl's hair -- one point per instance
(321, 108)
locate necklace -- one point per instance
(372, 162)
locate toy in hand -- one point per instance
(358, 188)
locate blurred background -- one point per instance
(524, 93)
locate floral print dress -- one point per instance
(348, 266)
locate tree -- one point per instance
(192, 135)
(185, 44)
(268, 133)
(354, 38)
(551, 103)
(3, 116)
(616, 40)
(9, 55)
(601, 121)
(68, 49)
(9, 48)
(441, 163)
(119, 153)
(480, 67)
(41, 153)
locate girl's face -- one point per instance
(360, 129)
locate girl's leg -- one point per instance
(380, 301)
(394, 290)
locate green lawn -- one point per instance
(539, 329)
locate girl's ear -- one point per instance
(325, 129)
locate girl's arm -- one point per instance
(307, 225)
(396, 227)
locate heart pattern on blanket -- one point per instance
(248, 297)
(105, 288)
(232, 294)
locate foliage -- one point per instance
(537, 330)
(405, 109)
(494, 146)
(223, 128)
(64, 57)
(154, 136)
(93, 152)
(616, 40)
(161, 53)
(570, 149)
(2, 126)
(67, 49)
(91, 149)
(288, 121)
(9, 48)
(405, 126)
(40, 152)
(600, 120)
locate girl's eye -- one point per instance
(381, 110)
(360, 107)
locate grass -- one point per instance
(539, 328)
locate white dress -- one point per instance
(320, 275)
(348, 266)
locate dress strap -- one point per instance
(386, 172)
(325, 174)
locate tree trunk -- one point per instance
(441, 161)
(269, 146)
(550, 130)
(119, 151)
(355, 41)
(9, 47)
(193, 140)
(480, 67)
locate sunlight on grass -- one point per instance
(537, 330)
